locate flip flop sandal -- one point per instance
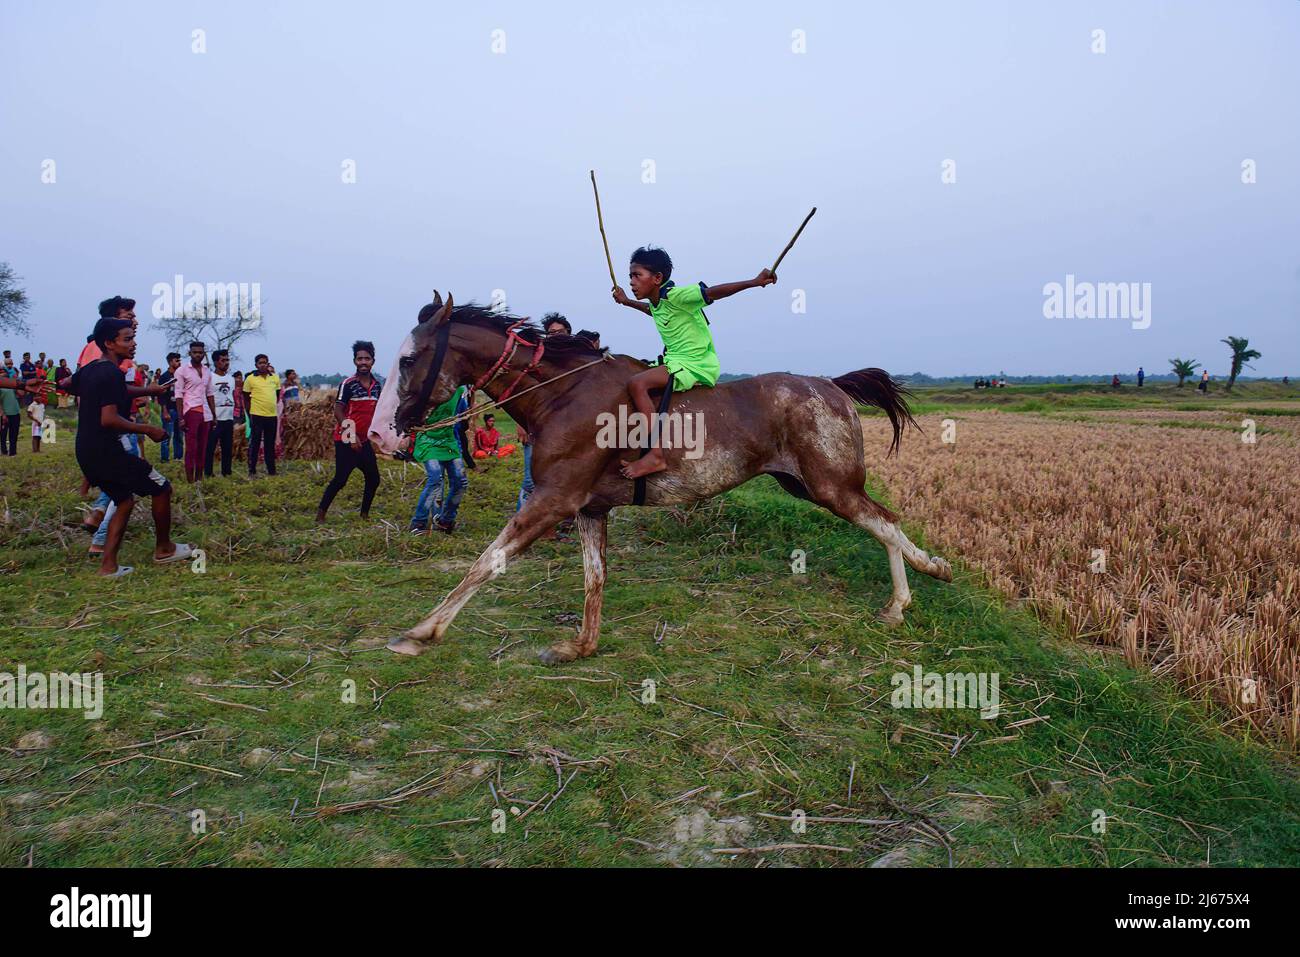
(183, 553)
(122, 571)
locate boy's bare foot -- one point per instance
(652, 461)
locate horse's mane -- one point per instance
(559, 347)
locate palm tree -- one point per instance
(1183, 368)
(1241, 356)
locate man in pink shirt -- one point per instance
(194, 392)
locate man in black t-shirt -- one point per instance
(102, 420)
(173, 422)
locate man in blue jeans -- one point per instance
(172, 422)
(441, 452)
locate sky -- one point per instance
(962, 156)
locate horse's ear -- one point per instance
(432, 311)
(444, 313)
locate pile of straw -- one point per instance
(308, 428)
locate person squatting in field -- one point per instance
(688, 357)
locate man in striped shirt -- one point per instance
(353, 409)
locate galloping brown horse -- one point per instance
(803, 430)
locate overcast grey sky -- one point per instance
(471, 171)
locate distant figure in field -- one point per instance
(1205, 381)
(487, 441)
(1114, 381)
(1141, 375)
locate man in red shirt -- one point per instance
(355, 407)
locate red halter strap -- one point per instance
(513, 341)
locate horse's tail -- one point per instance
(877, 387)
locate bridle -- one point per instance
(513, 341)
(439, 356)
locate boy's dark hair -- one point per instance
(173, 355)
(237, 373)
(363, 345)
(259, 357)
(201, 345)
(588, 335)
(107, 328)
(654, 259)
(217, 356)
(489, 417)
(551, 317)
(109, 308)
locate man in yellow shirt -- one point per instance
(262, 391)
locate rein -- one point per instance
(513, 342)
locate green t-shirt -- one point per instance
(9, 401)
(441, 444)
(688, 346)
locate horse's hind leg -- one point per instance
(541, 513)
(854, 505)
(593, 530)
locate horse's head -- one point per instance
(421, 378)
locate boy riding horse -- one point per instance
(689, 358)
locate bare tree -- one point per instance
(13, 303)
(213, 324)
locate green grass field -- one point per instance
(225, 693)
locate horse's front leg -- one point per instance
(593, 530)
(540, 513)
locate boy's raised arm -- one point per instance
(623, 299)
(724, 289)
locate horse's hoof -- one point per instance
(888, 616)
(558, 654)
(406, 646)
(943, 571)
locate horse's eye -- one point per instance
(406, 362)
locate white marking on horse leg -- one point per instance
(918, 559)
(520, 532)
(889, 535)
(485, 567)
(593, 532)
